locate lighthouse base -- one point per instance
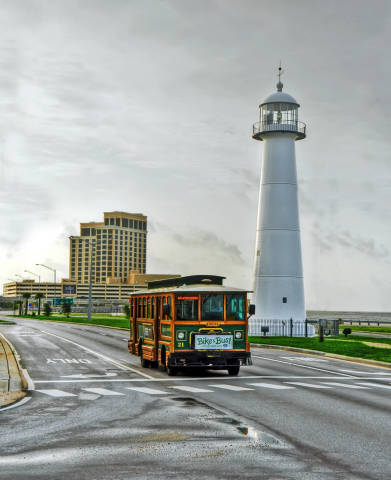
(258, 327)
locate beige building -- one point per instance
(71, 289)
(119, 244)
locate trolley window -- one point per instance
(186, 308)
(235, 307)
(212, 307)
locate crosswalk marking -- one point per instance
(378, 385)
(230, 387)
(311, 385)
(150, 391)
(364, 373)
(102, 391)
(345, 385)
(271, 385)
(56, 393)
(191, 389)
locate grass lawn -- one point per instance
(121, 322)
(353, 346)
(6, 322)
(359, 328)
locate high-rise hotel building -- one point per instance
(119, 243)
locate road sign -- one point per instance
(62, 301)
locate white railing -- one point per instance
(280, 328)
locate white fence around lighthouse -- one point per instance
(280, 328)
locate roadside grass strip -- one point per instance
(352, 346)
(118, 322)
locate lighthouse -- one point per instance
(278, 272)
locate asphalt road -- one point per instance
(93, 413)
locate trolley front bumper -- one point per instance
(209, 359)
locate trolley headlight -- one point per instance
(238, 335)
(181, 335)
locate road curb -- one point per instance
(13, 384)
(362, 361)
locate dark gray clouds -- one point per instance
(147, 106)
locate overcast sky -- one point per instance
(147, 106)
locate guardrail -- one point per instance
(283, 126)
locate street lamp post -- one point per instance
(54, 271)
(36, 274)
(90, 281)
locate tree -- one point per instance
(66, 308)
(26, 296)
(47, 309)
(126, 310)
(39, 296)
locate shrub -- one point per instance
(47, 309)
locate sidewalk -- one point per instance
(12, 381)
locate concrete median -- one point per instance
(13, 384)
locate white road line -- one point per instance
(310, 385)
(191, 389)
(206, 379)
(364, 373)
(302, 366)
(378, 385)
(102, 391)
(344, 385)
(271, 385)
(150, 391)
(104, 357)
(230, 387)
(57, 393)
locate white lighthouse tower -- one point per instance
(278, 272)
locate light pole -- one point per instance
(90, 282)
(36, 274)
(54, 271)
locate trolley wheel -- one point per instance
(171, 371)
(233, 370)
(144, 362)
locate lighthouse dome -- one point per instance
(280, 97)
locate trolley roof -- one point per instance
(190, 283)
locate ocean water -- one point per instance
(350, 316)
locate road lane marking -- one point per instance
(56, 393)
(306, 359)
(310, 385)
(271, 385)
(100, 355)
(208, 379)
(102, 391)
(234, 388)
(150, 391)
(378, 385)
(344, 385)
(191, 389)
(302, 366)
(364, 373)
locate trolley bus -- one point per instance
(187, 322)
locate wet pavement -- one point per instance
(94, 413)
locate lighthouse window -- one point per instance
(284, 299)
